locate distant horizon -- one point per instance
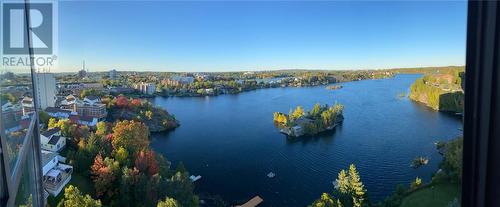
(251, 36)
(297, 69)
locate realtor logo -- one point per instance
(15, 35)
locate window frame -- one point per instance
(30, 152)
(481, 166)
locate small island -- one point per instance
(299, 123)
(334, 87)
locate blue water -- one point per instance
(231, 141)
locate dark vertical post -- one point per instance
(481, 163)
(38, 194)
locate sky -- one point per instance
(256, 35)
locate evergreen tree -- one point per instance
(343, 182)
(356, 186)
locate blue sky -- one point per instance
(240, 36)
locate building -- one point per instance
(120, 90)
(146, 88)
(12, 111)
(28, 105)
(58, 113)
(177, 81)
(113, 74)
(68, 103)
(87, 121)
(56, 175)
(46, 90)
(51, 140)
(91, 106)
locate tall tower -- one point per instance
(83, 72)
(46, 90)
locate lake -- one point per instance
(231, 141)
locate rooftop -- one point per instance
(51, 132)
(47, 157)
(54, 140)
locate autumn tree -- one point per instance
(146, 162)
(104, 174)
(299, 112)
(74, 198)
(316, 110)
(122, 101)
(101, 128)
(121, 155)
(131, 135)
(135, 102)
(168, 202)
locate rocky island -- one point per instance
(319, 119)
(441, 91)
(155, 118)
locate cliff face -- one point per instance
(442, 92)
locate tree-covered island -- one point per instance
(319, 119)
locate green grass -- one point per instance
(434, 195)
(84, 184)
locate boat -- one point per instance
(194, 178)
(271, 175)
(334, 87)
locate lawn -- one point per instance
(84, 184)
(434, 195)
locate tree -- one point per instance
(146, 162)
(131, 135)
(121, 155)
(299, 112)
(356, 186)
(168, 202)
(149, 114)
(343, 182)
(43, 117)
(181, 188)
(74, 198)
(102, 129)
(52, 123)
(7, 97)
(104, 174)
(415, 184)
(122, 101)
(316, 110)
(452, 162)
(91, 92)
(135, 102)
(326, 200)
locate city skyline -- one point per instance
(255, 36)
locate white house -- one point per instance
(51, 140)
(56, 175)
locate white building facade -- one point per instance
(46, 90)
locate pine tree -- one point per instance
(343, 182)
(356, 186)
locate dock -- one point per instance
(252, 202)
